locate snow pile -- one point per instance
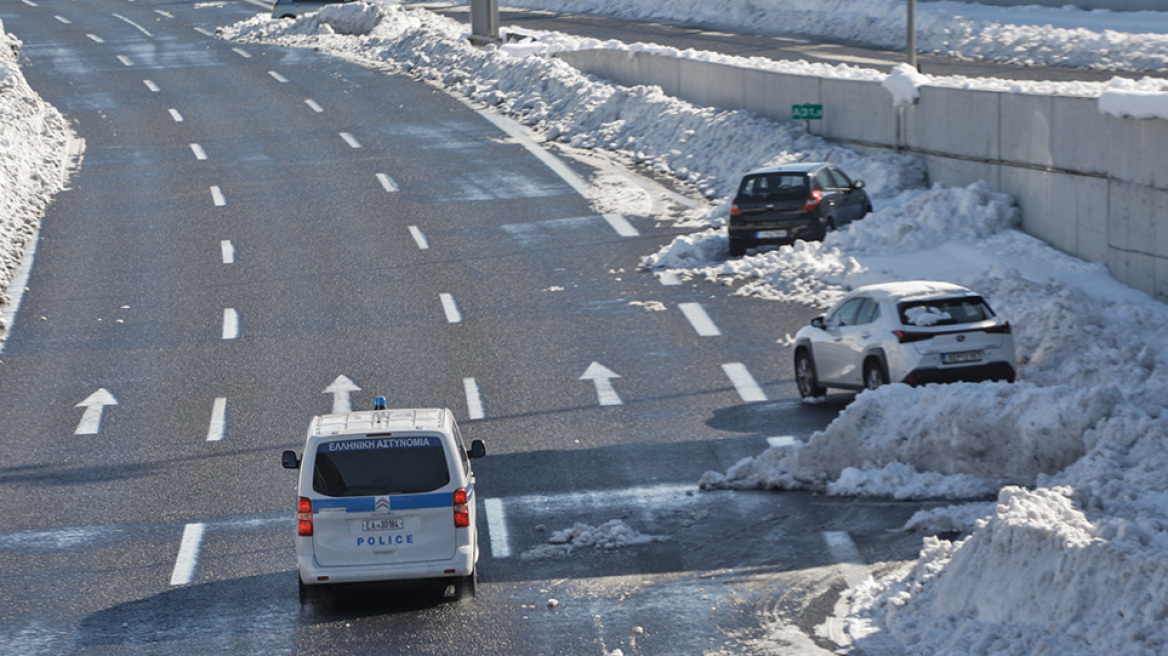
(609, 536)
(1031, 36)
(903, 83)
(1145, 99)
(1086, 424)
(33, 142)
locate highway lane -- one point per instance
(228, 249)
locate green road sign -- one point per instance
(806, 112)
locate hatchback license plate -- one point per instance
(395, 524)
(772, 234)
(964, 356)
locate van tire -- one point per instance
(468, 587)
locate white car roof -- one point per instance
(407, 419)
(911, 289)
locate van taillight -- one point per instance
(461, 509)
(734, 211)
(812, 201)
(304, 517)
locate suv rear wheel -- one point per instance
(805, 376)
(874, 375)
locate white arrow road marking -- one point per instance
(602, 377)
(151, 85)
(230, 323)
(387, 183)
(699, 319)
(497, 527)
(188, 554)
(350, 139)
(228, 250)
(747, 388)
(340, 389)
(94, 405)
(474, 399)
(419, 238)
(314, 106)
(277, 77)
(450, 307)
(218, 426)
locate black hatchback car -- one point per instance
(780, 204)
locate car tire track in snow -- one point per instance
(701, 322)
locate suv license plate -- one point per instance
(958, 358)
(771, 234)
(395, 524)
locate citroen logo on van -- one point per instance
(382, 505)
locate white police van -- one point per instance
(386, 495)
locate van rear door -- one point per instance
(382, 500)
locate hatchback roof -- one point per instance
(798, 167)
(912, 289)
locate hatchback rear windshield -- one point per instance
(944, 311)
(380, 466)
(771, 186)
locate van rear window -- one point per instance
(380, 466)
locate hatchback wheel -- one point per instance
(805, 376)
(874, 375)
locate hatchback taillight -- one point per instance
(304, 517)
(734, 211)
(812, 201)
(461, 509)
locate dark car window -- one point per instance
(869, 313)
(824, 180)
(848, 312)
(841, 180)
(944, 311)
(773, 185)
(359, 468)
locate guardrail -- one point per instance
(1090, 184)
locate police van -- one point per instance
(386, 495)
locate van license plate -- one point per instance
(395, 524)
(772, 234)
(964, 356)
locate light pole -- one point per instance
(912, 34)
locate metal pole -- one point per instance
(912, 34)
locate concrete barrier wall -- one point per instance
(1113, 5)
(1092, 185)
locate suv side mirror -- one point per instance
(290, 461)
(857, 184)
(820, 322)
(478, 449)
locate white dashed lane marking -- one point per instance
(744, 383)
(63, 19)
(217, 197)
(388, 183)
(178, 118)
(277, 77)
(242, 53)
(497, 528)
(350, 139)
(218, 426)
(230, 323)
(30, 3)
(699, 319)
(419, 238)
(474, 399)
(204, 31)
(133, 24)
(126, 61)
(450, 307)
(151, 85)
(228, 251)
(95, 38)
(198, 151)
(782, 440)
(188, 554)
(314, 105)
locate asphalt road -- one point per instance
(250, 223)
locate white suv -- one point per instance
(913, 332)
(386, 495)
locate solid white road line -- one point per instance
(175, 115)
(163, 13)
(782, 440)
(621, 225)
(350, 139)
(188, 554)
(450, 308)
(63, 19)
(242, 53)
(668, 278)
(497, 527)
(198, 151)
(419, 238)
(150, 85)
(747, 388)
(844, 550)
(228, 250)
(276, 76)
(126, 61)
(387, 183)
(204, 31)
(217, 197)
(314, 105)
(522, 136)
(95, 38)
(135, 25)
(218, 426)
(699, 319)
(230, 323)
(474, 399)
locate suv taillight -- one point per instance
(905, 337)
(812, 201)
(1003, 329)
(461, 509)
(735, 213)
(304, 517)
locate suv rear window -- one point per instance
(944, 311)
(380, 466)
(773, 186)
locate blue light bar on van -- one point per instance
(379, 403)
